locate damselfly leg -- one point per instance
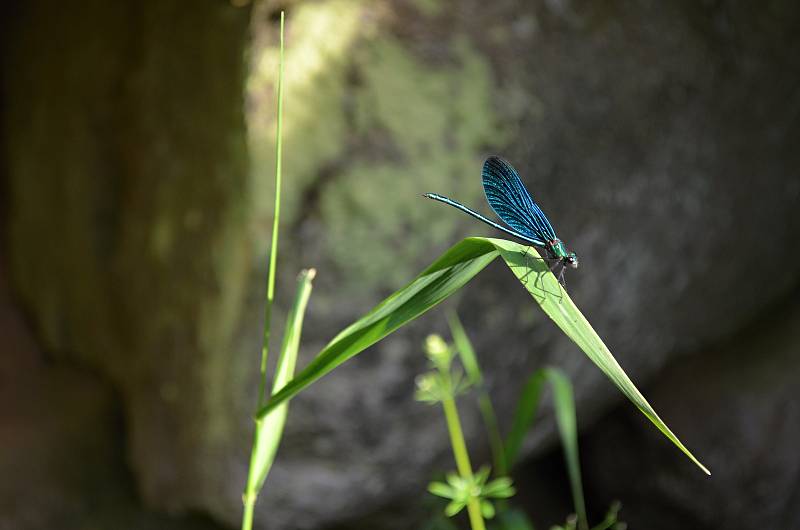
(560, 274)
(528, 266)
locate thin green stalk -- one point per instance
(249, 501)
(493, 431)
(564, 405)
(257, 469)
(470, 361)
(567, 421)
(462, 459)
(273, 252)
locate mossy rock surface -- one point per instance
(138, 140)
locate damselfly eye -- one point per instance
(572, 260)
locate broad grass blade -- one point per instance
(444, 277)
(535, 275)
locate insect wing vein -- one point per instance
(511, 201)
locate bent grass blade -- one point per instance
(269, 428)
(444, 277)
(557, 304)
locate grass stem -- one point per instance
(273, 252)
(462, 459)
(269, 428)
(253, 483)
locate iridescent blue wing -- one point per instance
(511, 201)
(476, 215)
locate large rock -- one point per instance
(657, 137)
(660, 138)
(125, 150)
(62, 459)
(738, 401)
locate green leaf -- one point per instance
(465, 350)
(441, 489)
(269, 428)
(500, 488)
(557, 304)
(453, 508)
(482, 475)
(527, 405)
(487, 509)
(456, 481)
(564, 405)
(444, 277)
(611, 520)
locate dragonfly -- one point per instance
(510, 200)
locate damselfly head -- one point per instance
(572, 260)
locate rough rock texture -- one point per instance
(743, 393)
(62, 458)
(660, 137)
(125, 150)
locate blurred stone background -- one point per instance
(660, 137)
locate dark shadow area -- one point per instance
(727, 398)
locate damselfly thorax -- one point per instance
(558, 250)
